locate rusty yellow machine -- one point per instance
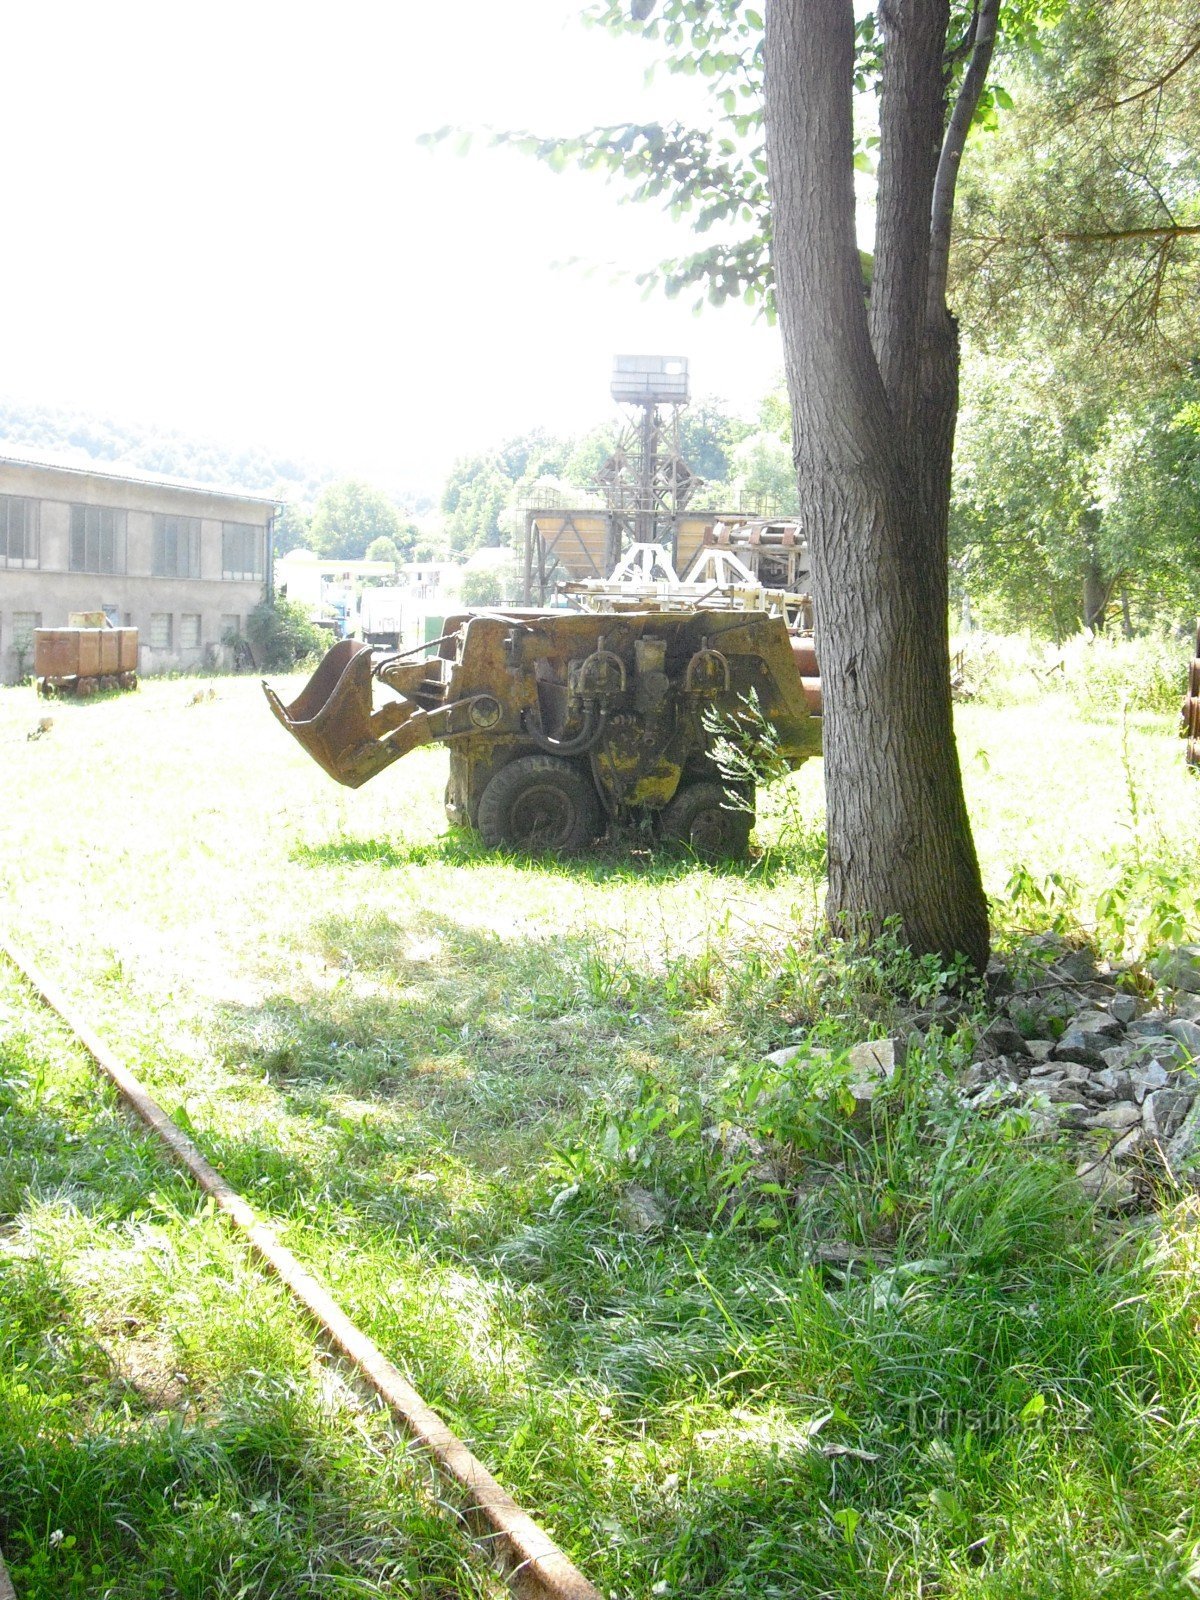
(558, 722)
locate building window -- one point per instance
(97, 539)
(189, 630)
(241, 550)
(231, 627)
(176, 547)
(18, 531)
(160, 630)
(23, 625)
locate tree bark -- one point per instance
(874, 401)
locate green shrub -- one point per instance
(1147, 674)
(282, 635)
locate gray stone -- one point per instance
(1000, 1038)
(1183, 1149)
(1112, 1084)
(1164, 1111)
(996, 1093)
(1129, 1144)
(1120, 1056)
(640, 1211)
(1123, 1008)
(1150, 1023)
(787, 1053)
(1179, 968)
(1093, 1020)
(1103, 1183)
(1079, 1077)
(997, 977)
(871, 1065)
(1188, 1035)
(1074, 1115)
(1147, 1078)
(1165, 1049)
(1083, 1045)
(1078, 965)
(876, 1058)
(1121, 1116)
(1040, 1049)
(976, 1075)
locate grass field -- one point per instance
(508, 1111)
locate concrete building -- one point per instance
(181, 563)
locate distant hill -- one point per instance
(82, 435)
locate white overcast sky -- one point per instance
(219, 219)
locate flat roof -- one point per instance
(15, 456)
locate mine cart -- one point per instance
(82, 660)
(558, 722)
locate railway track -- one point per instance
(529, 1561)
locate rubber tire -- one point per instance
(540, 803)
(699, 817)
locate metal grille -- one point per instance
(176, 547)
(97, 539)
(241, 550)
(18, 531)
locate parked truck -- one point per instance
(558, 722)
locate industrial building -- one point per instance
(182, 563)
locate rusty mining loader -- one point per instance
(558, 722)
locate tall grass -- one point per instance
(725, 1334)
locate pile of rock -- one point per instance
(1120, 1075)
(1082, 1054)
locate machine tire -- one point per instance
(699, 817)
(540, 803)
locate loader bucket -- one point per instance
(332, 716)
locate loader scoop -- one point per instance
(333, 719)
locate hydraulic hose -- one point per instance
(594, 721)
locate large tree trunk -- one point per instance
(874, 405)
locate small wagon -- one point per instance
(81, 661)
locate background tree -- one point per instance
(348, 515)
(385, 549)
(1076, 500)
(1082, 213)
(476, 493)
(481, 588)
(709, 435)
(291, 529)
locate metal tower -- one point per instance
(646, 482)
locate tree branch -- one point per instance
(1171, 230)
(1162, 79)
(942, 212)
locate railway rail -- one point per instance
(531, 1564)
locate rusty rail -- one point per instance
(530, 1562)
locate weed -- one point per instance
(724, 1335)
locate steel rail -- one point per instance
(7, 1592)
(530, 1562)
